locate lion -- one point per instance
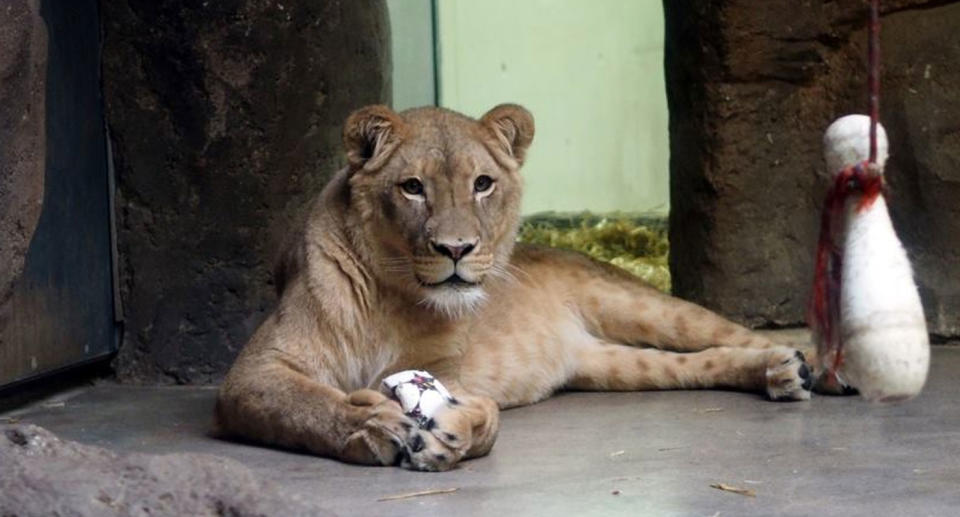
(408, 260)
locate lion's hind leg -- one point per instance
(778, 372)
(618, 307)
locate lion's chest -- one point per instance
(402, 347)
(371, 366)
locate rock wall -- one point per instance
(225, 119)
(23, 67)
(751, 87)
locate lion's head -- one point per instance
(438, 197)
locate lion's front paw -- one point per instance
(381, 431)
(442, 442)
(788, 375)
(461, 429)
(427, 453)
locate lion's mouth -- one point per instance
(453, 280)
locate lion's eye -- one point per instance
(412, 186)
(482, 184)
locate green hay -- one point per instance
(637, 244)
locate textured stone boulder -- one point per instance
(751, 88)
(225, 119)
(43, 475)
(23, 61)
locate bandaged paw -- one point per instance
(419, 394)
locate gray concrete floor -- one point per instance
(653, 453)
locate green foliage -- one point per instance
(635, 243)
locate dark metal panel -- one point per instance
(63, 306)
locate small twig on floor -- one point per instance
(421, 493)
(736, 490)
(708, 410)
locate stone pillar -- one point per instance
(225, 119)
(751, 87)
(23, 71)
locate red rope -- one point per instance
(873, 75)
(864, 179)
(824, 317)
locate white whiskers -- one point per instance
(507, 271)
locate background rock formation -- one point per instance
(225, 119)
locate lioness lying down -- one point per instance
(408, 261)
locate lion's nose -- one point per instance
(455, 251)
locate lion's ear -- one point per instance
(370, 135)
(511, 125)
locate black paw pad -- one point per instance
(796, 355)
(804, 373)
(417, 444)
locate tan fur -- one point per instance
(364, 297)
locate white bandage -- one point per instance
(419, 394)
